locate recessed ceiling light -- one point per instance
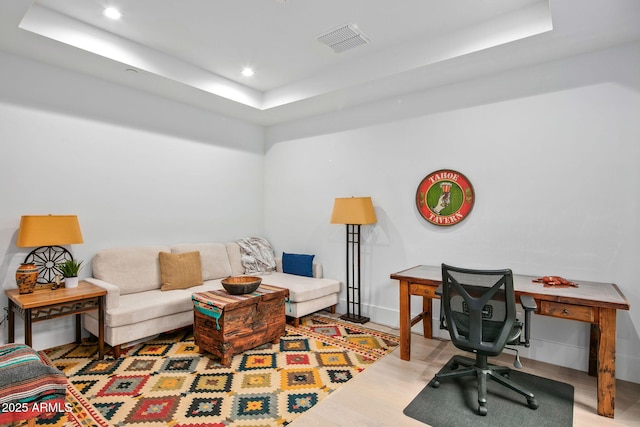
(247, 72)
(112, 12)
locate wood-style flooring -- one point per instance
(377, 396)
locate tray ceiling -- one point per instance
(194, 51)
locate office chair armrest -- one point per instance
(529, 305)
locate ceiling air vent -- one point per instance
(343, 38)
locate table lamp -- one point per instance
(354, 212)
(48, 232)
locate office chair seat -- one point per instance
(491, 329)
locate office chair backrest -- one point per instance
(479, 308)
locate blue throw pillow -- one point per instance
(299, 264)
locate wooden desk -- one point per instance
(595, 303)
(47, 304)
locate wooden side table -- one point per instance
(48, 304)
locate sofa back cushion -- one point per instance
(235, 258)
(213, 257)
(134, 269)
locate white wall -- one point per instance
(136, 170)
(552, 152)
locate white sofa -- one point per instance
(136, 307)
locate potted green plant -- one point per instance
(70, 269)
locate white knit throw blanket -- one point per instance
(257, 255)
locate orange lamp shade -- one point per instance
(353, 210)
(48, 230)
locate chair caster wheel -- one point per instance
(435, 384)
(533, 403)
(482, 410)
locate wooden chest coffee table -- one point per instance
(225, 325)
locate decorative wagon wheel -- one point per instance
(47, 258)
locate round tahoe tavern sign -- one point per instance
(445, 197)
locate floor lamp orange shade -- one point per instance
(353, 210)
(48, 230)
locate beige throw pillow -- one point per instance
(213, 256)
(180, 271)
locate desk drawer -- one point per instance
(568, 311)
(423, 290)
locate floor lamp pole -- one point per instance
(354, 313)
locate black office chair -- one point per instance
(480, 313)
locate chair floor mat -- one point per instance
(455, 403)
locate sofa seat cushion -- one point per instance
(135, 308)
(135, 269)
(209, 285)
(302, 288)
(213, 257)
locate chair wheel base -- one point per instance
(533, 403)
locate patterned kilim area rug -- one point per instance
(167, 382)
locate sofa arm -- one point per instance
(316, 268)
(113, 292)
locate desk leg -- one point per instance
(606, 379)
(594, 335)
(11, 317)
(427, 317)
(27, 327)
(101, 328)
(405, 321)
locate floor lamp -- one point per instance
(354, 212)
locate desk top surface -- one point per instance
(594, 294)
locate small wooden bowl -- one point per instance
(239, 285)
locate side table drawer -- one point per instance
(423, 290)
(568, 311)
